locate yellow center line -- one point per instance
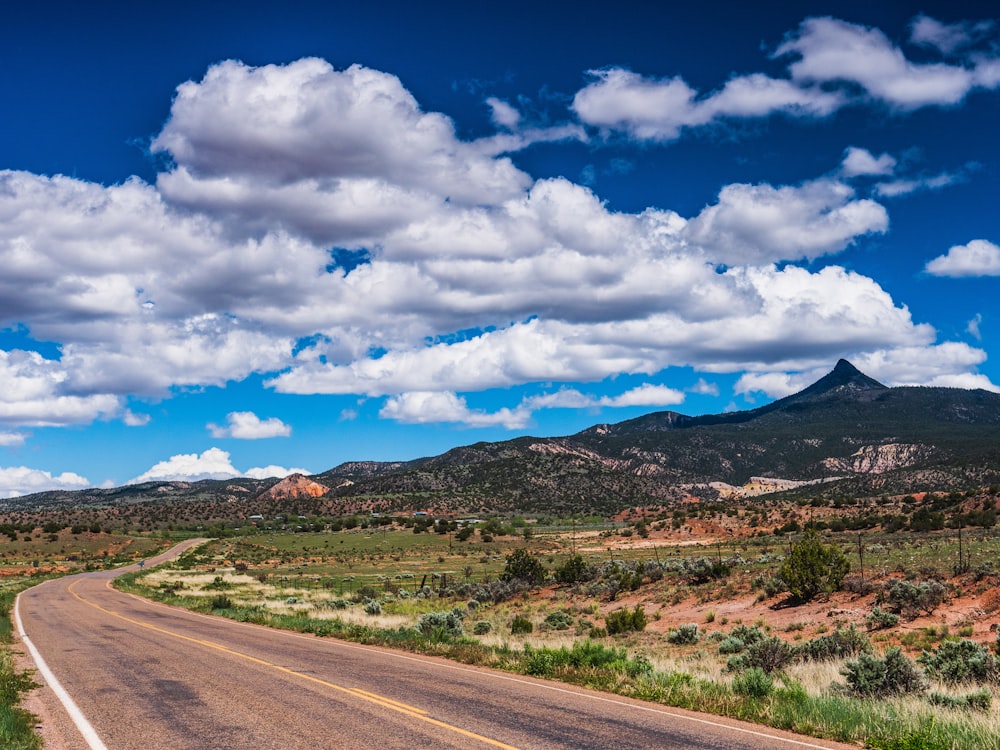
(403, 708)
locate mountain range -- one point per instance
(847, 434)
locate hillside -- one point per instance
(847, 430)
(845, 435)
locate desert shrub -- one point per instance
(812, 568)
(747, 634)
(731, 645)
(857, 585)
(912, 599)
(879, 619)
(894, 674)
(770, 585)
(482, 627)
(652, 570)
(753, 683)
(373, 607)
(574, 570)
(684, 635)
(521, 625)
(559, 620)
(978, 700)
(441, 626)
(956, 662)
(841, 643)
(703, 569)
(521, 565)
(221, 601)
(218, 584)
(770, 654)
(625, 620)
(365, 593)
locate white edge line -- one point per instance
(85, 727)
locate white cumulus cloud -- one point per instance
(976, 258)
(20, 480)
(245, 425)
(213, 463)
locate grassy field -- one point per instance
(391, 586)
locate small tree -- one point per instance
(523, 566)
(813, 568)
(573, 570)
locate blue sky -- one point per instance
(244, 239)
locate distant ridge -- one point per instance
(845, 435)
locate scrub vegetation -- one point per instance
(885, 641)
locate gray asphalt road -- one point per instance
(150, 677)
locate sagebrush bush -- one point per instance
(441, 625)
(684, 635)
(841, 643)
(770, 654)
(731, 645)
(559, 620)
(702, 569)
(482, 627)
(373, 607)
(880, 619)
(221, 601)
(895, 674)
(956, 662)
(748, 634)
(913, 599)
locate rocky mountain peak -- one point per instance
(295, 486)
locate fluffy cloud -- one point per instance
(977, 258)
(753, 224)
(211, 464)
(462, 273)
(659, 109)
(273, 472)
(834, 51)
(298, 144)
(767, 315)
(245, 425)
(832, 58)
(35, 391)
(20, 480)
(861, 162)
(948, 38)
(11, 438)
(425, 406)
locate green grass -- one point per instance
(17, 726)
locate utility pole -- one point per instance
(861, 558)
